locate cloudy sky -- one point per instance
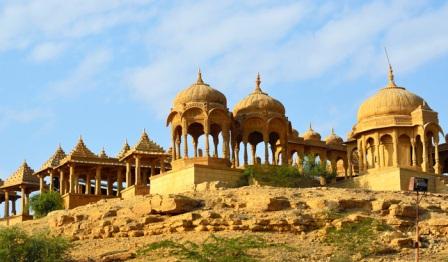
(107, 69)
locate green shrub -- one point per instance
(18, 246)
(358, 238)
(279, 176)
(312, 167)
(214, 248)
(44, 203)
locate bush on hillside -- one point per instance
(17, 245)
(44, 203)
(279, 176)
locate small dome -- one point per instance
(258, 101)
(391, 100)
(333, 139)
(311, 135)
(200, 92)
(295, 133)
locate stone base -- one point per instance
(186, 178)
(396, 179)
(134, 190)
(72, 200)
(14, 219)
(204, 161)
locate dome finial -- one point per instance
(391, 82)
(332, 131)
(257, 84)
(199, 80)
(311, 127)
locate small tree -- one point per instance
(312, 167)
(17, 245)
(45, 202)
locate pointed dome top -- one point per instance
(124, 149)
(81, 150)
(333, 139)
(200, 92)
(22, 176)
(145, 144)
(55, 159)
(391, 100)
(258, 101)
(311, 135)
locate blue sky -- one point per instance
(107, 69)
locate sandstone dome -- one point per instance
(258, 101)
(295, 133)
(311, 135)
(200, 92)
(333, 139)
(390, 100)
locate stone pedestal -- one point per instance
(135, 190)
(72, 200)
(396, 179)
(185, 178)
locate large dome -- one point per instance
(258, 101)
(391, 100)
(200, 92)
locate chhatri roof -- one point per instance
(258, 101)
(391, 100)
(144, 146)
(54, 160)
(200, 92)
(81, 150)
(124, 149)
(103, 154)
(333, 139)
(23, 176)
(311, 135)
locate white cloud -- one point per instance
(10, 116)
(47, 51)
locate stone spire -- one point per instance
(257, 84)
(199, 80)
(391, 82)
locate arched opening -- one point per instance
(216, 134)
(274, 140)
(404, 151)
(177, 137)
(430, 150)
(419, 150)
(294, 158)
(195, 130)
(340, 167)
(370, 153)
(386, 151)
(254, 139)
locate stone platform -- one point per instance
(186, 177)
(72, 200)
(134, 190)
(396, 179)
(14, 219)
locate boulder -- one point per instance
(322, 204)
(352, 203)
(278, 203)
(406, 211)
(174, 204)
(402, 242)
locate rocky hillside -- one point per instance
(314, 224)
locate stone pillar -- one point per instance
(395, 144)
(178, 147)
(225, 143)
(27, 203)
(128, 173)
(14, 211)
(153, 168)
(245, 154)
(207, 146)
(51, 180)
(284, 155)
(437, 167)
(138, 177)
(72, 179)
(162, 166)
(215, 143)
(377, 151)
(254, 154)
(109, 185)
(88, 184)
(6, 213)
(145, 177)
(266, 152)
(274, 159)
(98, 181)
(360, 157)
(77, 184)
(119, 182)
(414, 153)
(185, 143)
(195, 147)
(425, 154)
(61, 182)
(41, 183)
(23, 194)
(237, 155)
(173, 146)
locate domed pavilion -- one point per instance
(260, 118)
(397, 136)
